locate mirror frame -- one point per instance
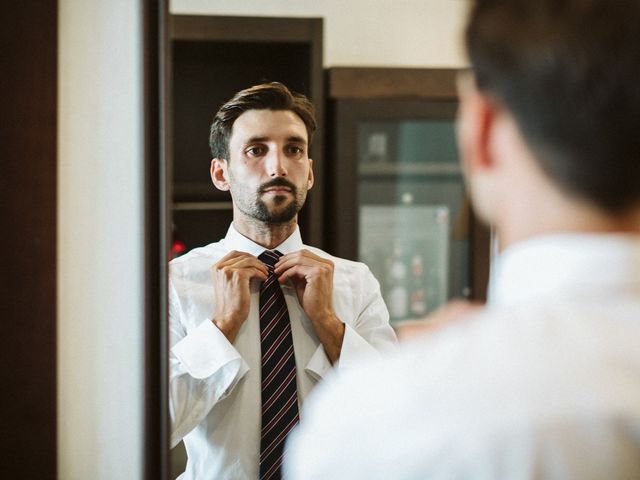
(156, 91)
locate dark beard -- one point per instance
(262, 212)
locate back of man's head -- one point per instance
(569, 73)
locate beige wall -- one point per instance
(398, 33)
(100, 241)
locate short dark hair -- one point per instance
(266, 96)
(568, 71)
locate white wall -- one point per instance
(394, 33)
(100, 240)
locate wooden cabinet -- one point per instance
(213, 57)
(396, 194)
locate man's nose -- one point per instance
(276, 164)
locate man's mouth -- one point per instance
(277, 187)
(277, 190)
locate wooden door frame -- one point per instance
(28, 208)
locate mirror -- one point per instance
(219, 48)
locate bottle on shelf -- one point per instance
(397, 291)
(418, 297)
(376, 147)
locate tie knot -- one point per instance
(270, 257)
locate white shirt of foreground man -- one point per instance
(545, 381)
(544, 384)
(216, 384)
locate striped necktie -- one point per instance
(279, 393)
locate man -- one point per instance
(544, 382)
(258, 318)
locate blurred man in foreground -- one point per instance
(545, 381)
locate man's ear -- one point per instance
(310, 179)
(476, 117)
(476, 129)
(219, 175)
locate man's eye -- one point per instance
(255, 151)
(294, 150)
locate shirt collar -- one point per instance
(236, 241)
(567, 266)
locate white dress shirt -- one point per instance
(215, 385)
(544, 383)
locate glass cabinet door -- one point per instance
(401, 198)
(413, 217)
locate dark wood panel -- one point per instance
(314, 208)
(28, 87)
(245, 29)
(213, 57)
(376, 83)
(206, 74)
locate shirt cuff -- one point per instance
(354, 347)
(205, 350)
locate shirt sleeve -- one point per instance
(367, 330)
(204, 367)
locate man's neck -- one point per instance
(265, 234)
(565, 218)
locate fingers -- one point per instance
(241, 263)
(312, 278)
(295, 272)
(301, 263)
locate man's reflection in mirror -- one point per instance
(258, 317)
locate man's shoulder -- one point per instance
(196, 259)
(339, 262)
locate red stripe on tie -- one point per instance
(281, 436)
(274, 468)
(279, 414)
(266, 356)
(277, 367)
(266, 404)
(267, 330)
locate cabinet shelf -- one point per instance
(191, 206)
(198, 191)
(392, 169)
